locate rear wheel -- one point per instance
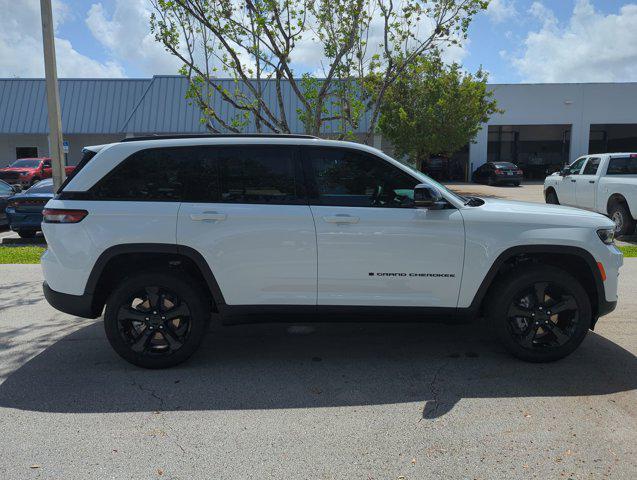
(620, 215)
(34, 181)
(551, 197)
(156, 320)
(540, 313)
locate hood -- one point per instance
(545, 214)
(16, 170)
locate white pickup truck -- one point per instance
(603, 182)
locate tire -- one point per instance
(551, 198)
(624, 223)
(34, 181)
(490, 181)
(27, 233)
(516, 184)
(536, 334)
(164, 317)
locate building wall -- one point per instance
(578, 105)
(8, 144)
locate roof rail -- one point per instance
(216, 135)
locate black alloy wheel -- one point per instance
(156, 320)
(543, 315)
(540, 313)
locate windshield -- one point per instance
(44, 186)
(440, 186)
(26, 163)
(504, 165)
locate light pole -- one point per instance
(52, 95)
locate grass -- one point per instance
(33, 254)
(20, 254)
(629, 250)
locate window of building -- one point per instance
(354, 179)
(538, 150)
(26, 152)
(613, 138)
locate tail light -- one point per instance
(498, 172)
(57, 215)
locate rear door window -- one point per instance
(622, 165)
(208, 174)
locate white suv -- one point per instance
(161, 232)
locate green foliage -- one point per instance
(435, 109)
(20, 254)
(257, 40)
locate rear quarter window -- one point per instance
(622, 165)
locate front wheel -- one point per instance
(539, 313)
(156, 320)
(551, 198)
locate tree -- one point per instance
(435, 109)
(365, 44)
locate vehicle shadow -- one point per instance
(325, 365)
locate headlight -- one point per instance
(606, 235)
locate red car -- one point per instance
(28, 171)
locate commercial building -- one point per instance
(543, 125)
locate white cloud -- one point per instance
(125, 34)
(591, 47)
(500, 11)
(21, 44)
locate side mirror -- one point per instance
(16, 188)
(425, 196)
(564, 172)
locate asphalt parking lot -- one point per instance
(344, 401)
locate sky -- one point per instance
(516, 41)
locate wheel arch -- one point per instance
(121, 260)
(575, 260)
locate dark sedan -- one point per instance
(6, 191)
(24, 210)
(494, 173)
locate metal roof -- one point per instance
(138, 106)
(88, 105)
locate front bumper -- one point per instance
(77, 305)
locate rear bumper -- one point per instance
(77, 305)
(25, 221)
(508, 179)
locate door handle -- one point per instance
(208, 217)
(572, 180)
(591, 181)
(341, 218)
